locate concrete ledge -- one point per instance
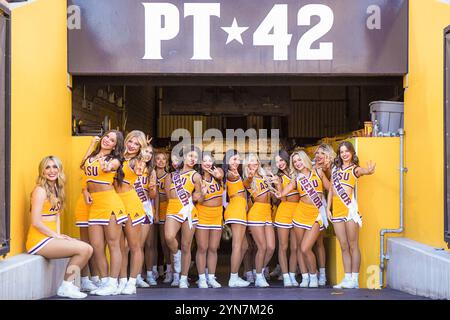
(418, 269)
(30, 277)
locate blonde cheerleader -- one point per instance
(259, 218)
(310, 215)
(323, 159)
(44, 236)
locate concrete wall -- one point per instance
(25, 277)
(418, 269)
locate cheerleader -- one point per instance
(81, 221)
(235, 215)
(259, 218)
(310, 215)
(345, 215)
(106, 212)
(162, 163)
(44, 235)
(146, 183)
(283, 222)
(209, 228)
(134, 209)
(323, 159)
(183, 187)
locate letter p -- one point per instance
(155, 32)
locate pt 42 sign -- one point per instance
(162, 23)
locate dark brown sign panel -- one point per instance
(345, 37)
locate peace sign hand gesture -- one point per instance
(371, 167)
(149, 139)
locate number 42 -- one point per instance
(280, 39)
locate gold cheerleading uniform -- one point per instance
(210, 218)
(306, 215)
(260, 214)
(36, 240)
(236, 211)
(347, 178)
(162, 193)
(82, 208)
(286, 209)
(133, 205)
(174, 206)
(104, 203)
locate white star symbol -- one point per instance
(234, 32)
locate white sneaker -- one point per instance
(355, 284)
(122, 284)
(266, 273)
(249, 277)
(345, 284)
(293, 280)
(261, 283)
(69, 290)
(212, 282)
(177, 261)
(108, 290)
(100, 286)
(130, 288)
(140, 283)
(168, 278)
(313, 282)
(304, 283)
(202, 284)
(151, 279)
(184, 284)
(287, 282)
(176, 280)
(238, 283)
(88, 286)
(322, 280)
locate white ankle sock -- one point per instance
(259, 276)
(132, 281)
(322, 271)
(355, 276)
(233, 276)
(211, 276)
(155, 268)
(348, 276)
(84, 279)
(292, 275)
(122, 280)
(183, 278)
(286, 276)
(202, 277)
(95, 279)
(114, 281)
(305, 276)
